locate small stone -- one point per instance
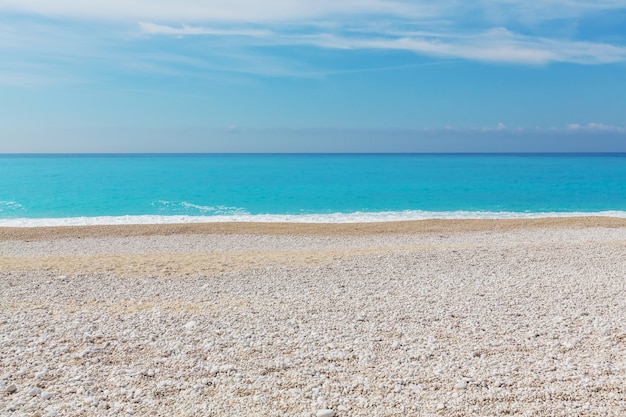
(325, 413)
(227, 368)
(46, 395)
(34, 392)
(461, 385)
(51, 411)
(11, 389)
(190, 325)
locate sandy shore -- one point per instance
(451, 318)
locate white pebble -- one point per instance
(227, 368)
(325, 413)
(190, 325)
(34, 392)
(51, 412)
(46, 395)
(12, 388)
(461, 385)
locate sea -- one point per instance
(92, 189)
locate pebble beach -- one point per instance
(425, 318)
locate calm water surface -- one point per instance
(199, 187)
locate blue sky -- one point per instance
(312, 76)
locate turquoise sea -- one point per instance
(110, 189)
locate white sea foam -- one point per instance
(357, 217)
(188, 207)
(9, 206)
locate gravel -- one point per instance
(528, 323)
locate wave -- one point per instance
(9, 206)
(357, 217)
(186, 208)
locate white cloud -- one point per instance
(497, 11)
(451, 29)
(493, 46)
(216, 10)
(595, 127)
(186, 30)
(496, 45)
(577, 128)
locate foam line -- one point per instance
(357, 217)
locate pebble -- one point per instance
(46, 395)
(227, 368)
(190, 325)
(343, 336)
(461, 385)
(51, 411)
(11, 389)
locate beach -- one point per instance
(420, 318)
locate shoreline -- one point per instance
(308, 229)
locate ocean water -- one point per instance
(112, 189)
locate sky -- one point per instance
(312, 76)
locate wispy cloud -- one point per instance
(240, 35)
(186, 30)
(595, 127)
(496, 45)
(219, 10)
(298, 10)
(572, 128)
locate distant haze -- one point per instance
(129, 140)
